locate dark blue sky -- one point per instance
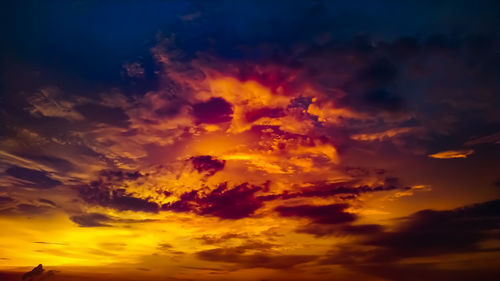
(90, 40)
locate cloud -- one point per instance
(100, 114)
(431, 232)
(4, 200)
(48, 243)
(133, 70)
(320, 230)
(429, 272)
(263, 260)
(36, 178)
(47, 201)
(57, 163)
(493, 138)
(191, 16)
(91, 220)
(291, 107)
(27, 209)
(323, 214)
(427, 233)
(47, 102)
(324, 189)
(207, 163)
(110, 191)
(100, 220)
(214, 239)
(213, 111)
(119, 176)
(380, 136)
(117, 199)
(223, 202)
(450, 154)
(263, 112)
(409, 191)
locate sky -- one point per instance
(250, 140)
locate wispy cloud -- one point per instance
(450, 154)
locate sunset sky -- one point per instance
(250, 140)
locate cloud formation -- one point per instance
(216, 147)
(450, 154)
(223, 202)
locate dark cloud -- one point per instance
(223, 202)
(323, 214)
(29, 209)
(320, 230)
(213, 239)
(171, 109)
(108, 192)
(48, 243)
(425, 234)
(118, 199)
(118, 175)
(57, 163)
(261, 259)
(215, 110)
(207, 163)
(493, 138)
(96, 113)
(255, 115)
(25, 209)
(430, 232)
(91, 220)
(331, 189)
(38, 179)
(241, 201)
(47, 201)
(165, 246)
(429, 272)
(4, 200)
(99, 220)
(130, 133)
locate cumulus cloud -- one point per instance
(223, 202)
(215, 110)
(207, 164)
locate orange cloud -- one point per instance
(450, 154)
(380, 136)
